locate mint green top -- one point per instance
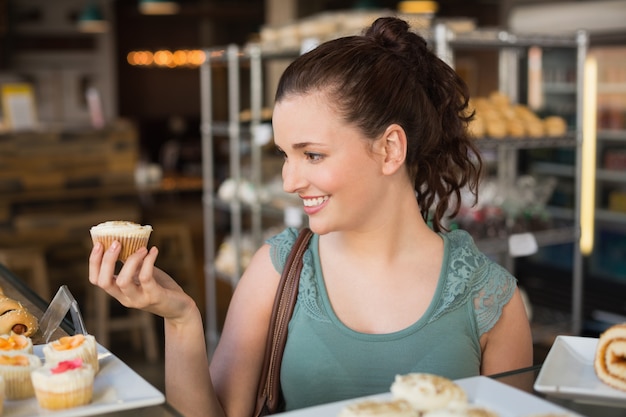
(326, 361)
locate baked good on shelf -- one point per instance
(132, 236)
(15, 369)
(71, 347)
(14, 342)
(555, 126)
(372, 408)
(16, 318)
(610, 358)
(64, 384)
(427, 392)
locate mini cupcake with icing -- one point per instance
(71, 347)
(15, 369)
(14, 342)
(64, 384)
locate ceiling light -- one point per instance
(158, 6)
(91, 20)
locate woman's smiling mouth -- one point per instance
(313, 202)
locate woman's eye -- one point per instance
(315, 157)
(280, 152)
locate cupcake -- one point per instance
(428, 392)
(15, 369)
(72, 347)
(371, 408)
(64, 384)
(16, 343)
(132, 236)
(2, 389)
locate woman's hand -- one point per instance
(139, 284)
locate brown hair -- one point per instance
(388, 75)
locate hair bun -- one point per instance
(395, 34)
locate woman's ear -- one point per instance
(394, 144)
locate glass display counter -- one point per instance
(16, 289)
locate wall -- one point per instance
(42, 45)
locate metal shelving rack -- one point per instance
(510, 47)
(240, 136)
(444, 43)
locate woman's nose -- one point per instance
(292, 181)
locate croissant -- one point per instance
(14, 317)
(610, 359)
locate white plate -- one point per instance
(481, 390)
(568, 372)
(116, 387)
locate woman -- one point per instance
(373, 133)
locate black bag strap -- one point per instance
(269, 397)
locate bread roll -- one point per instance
(14, 317)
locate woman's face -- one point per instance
(328, 163)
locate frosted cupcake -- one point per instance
(65, 384)
(132, 236)
(15, 369)
(15, 343)
(72, 347)
(2, 388)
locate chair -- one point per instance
(176, 253)
(30, 264)
(140, 323)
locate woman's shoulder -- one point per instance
(280, 245)
(462, 250)
(472, 275)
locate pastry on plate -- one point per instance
(131, 236)
(469, 411)
(15, 369)
(71, 347)
(373, 408)
(16, 343)
(65, 384)
(427, 392)
(14, 317)
(610, 357)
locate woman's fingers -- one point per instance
(130, 269)
(95, 260)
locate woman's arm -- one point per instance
(141, 285)
(508, 345)
(229, 387)
(236, 364)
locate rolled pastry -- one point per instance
(14, 317)
(610, 360)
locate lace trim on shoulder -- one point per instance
(472, 274)
(308, 290)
